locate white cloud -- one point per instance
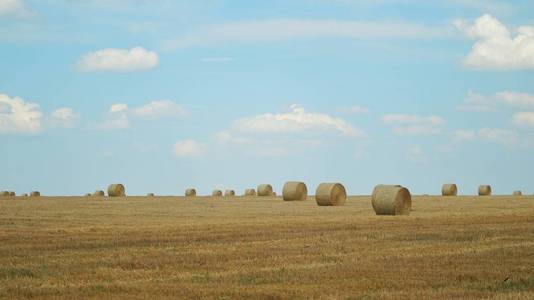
(268, 145)
(297, 120)
(159, 109)
(122, 60)
(280, 30)
(189, 149)
(119, 114)
(19, 116)
(491, 103)
(117, 118)
(15, 8)
(118, 107)
(496, 48)
(286, 133)
(404, 124)
(64, 117)
(524, 118)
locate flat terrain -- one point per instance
(228, 248)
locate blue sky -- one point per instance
(164, 95)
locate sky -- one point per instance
(164, 95)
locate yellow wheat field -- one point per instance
(263, 247)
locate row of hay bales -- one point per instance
(386, 199)
(262, 190)
(326, 193)
(292, 191)
(13, 194)
(114, 190)
(450, 189)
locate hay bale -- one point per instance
(12, 194)
(229, 193)
(295, 191)
(99, 193)
(216, 193)
(330, 194)
(391, 200)
(24, 195)
(265, 190)
(190, 193)
(88, 195)
(150, 195)
(484, 190)
(449, 189)
(250, 192)
(274, 194)
(116, 190)
(518, 193)
(35, 194)
(4, 194)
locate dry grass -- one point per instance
(170, 247)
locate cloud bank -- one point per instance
(118, 60)
(496, 48)
(283, 30)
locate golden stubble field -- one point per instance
(231, 248)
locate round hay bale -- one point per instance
(449, 189)
(391, 200)
(150, 195)
(88, 195)
(265, 190)
(484, 190)
(250, 192)
(518, 193)
(4, 194)
(35, 194)
(12, 194)
(330, 194)
(24, 195)
(274, 194)
(216, 193)
(190, 193)
(229, 193)
(116, 190)
(295, 191)
(99, 193)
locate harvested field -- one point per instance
(262, 247)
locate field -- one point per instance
(231, 248)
